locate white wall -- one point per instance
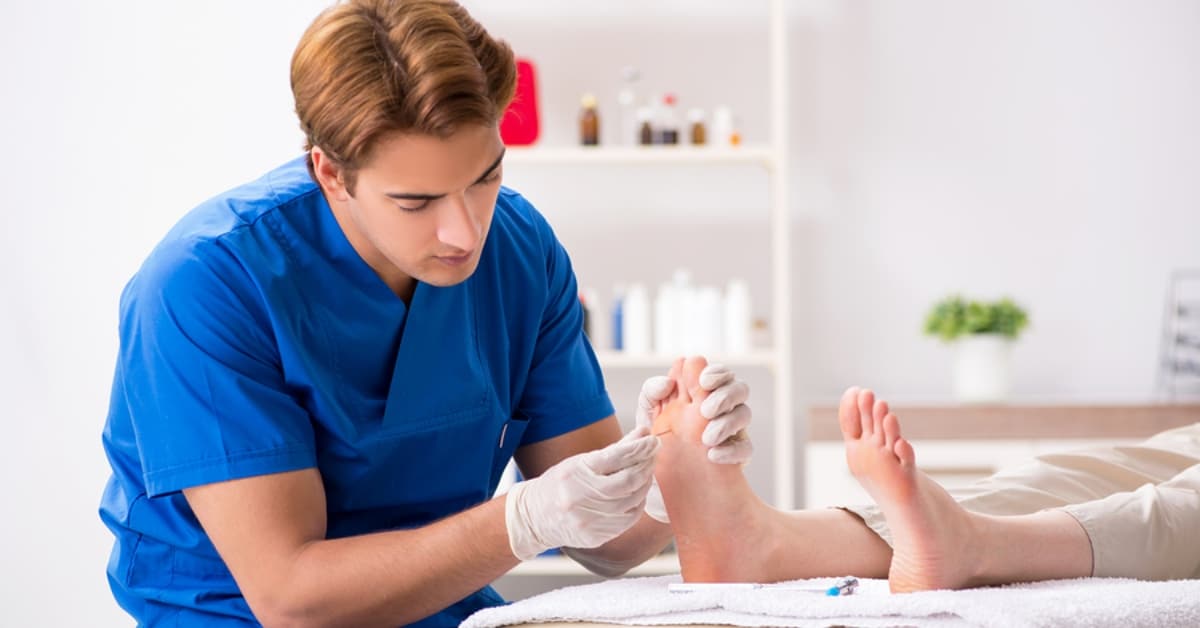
(117, 117)
(1048, 150)
(1045, 150)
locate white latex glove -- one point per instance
(725, 408)
(583, 501)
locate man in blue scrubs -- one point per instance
(322, 373)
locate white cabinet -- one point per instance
(957, 444)
(771, 159)
(952, 463)
(827, 480)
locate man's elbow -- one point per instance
(279, 614)
(288, 607)
(609, 570)
(600, 566)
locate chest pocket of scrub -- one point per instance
(441, 422)
(439, 379)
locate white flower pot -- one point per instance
(982, 370)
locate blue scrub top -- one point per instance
(255, 340)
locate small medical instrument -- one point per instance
(844, 586)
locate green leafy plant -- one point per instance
(954, 317)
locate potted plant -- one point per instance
(983, 333)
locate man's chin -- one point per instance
(444, 276)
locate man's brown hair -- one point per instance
(368, 68)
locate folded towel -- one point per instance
(1080, 602)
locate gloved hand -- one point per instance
(725, 434)
(583, 501)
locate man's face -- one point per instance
(422, 206)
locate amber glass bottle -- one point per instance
(697, 131)
(589, 122)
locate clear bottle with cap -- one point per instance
(589, 122)
(627, 106)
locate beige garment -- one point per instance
(1139, 504)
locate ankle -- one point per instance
(983, 550)
(731, 543)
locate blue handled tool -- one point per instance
(845, 586)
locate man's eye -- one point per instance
(491, 178)
(413, 208)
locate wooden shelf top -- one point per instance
(1020, 421)
(637, 155)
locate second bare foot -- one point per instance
(935, 541)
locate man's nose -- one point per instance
(457, 226)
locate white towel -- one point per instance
(1081, 602)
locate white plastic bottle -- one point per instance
(678, 297)
(736, 319)
(635, 319)
(705, 318)
(665, 329)
(722, 129)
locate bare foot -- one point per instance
(935, 541)
(720, 525)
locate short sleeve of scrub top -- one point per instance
(203, 377)
(561, 354)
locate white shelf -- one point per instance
(616, 155)
(773, 158)
(563, 566)
(618, 359)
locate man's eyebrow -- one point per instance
(432, 197)
(495, 164)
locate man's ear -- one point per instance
(329, 175)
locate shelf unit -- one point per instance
(561, 155)
(961, 443)
(773, 158)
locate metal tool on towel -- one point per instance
(844, 586)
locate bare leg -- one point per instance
(724, 532)
(938, 544)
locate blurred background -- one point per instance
(1048, 152)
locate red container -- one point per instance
(519, 126)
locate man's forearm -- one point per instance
(395, 577)
(643, 541)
